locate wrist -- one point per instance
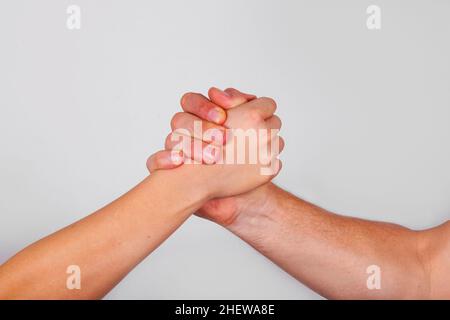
(186, 183)
(255, 209)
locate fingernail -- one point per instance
(216, 115)
(225, 94)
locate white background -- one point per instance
(366, 118)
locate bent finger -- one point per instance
(247, 114)
(195, 127)
(197, 104)
(228, 98)
(164, 159)
(193, 149)
(274, 122)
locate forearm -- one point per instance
(331, 253)
(105, 245)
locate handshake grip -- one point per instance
(250, 137)
(236, 150)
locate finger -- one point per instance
(281, 144)
(274, 169)
(274, 122)
(197, 128)
(278, 166)
(236, 93)
(265, 106)
(246, 115)
(229, 98)
(164, 159)
(273, 148)
(194, 149)
(279, 141)
(197, 104)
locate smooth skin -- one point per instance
(109, 243)
(330, 253)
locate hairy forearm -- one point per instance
(105, 245)
(332, 253)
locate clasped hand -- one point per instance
(231, 140)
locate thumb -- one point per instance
(229, 98)
(164, 159)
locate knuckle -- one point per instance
(281, 144)
(279, 166)
(176, 120)
(159, 157)
(269, 102)
(149, 163)
(185, 98)
(278, 122)
(168, 142)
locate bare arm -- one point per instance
(331, 253)
(112, 241)
(328, 252)
(105, 245)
